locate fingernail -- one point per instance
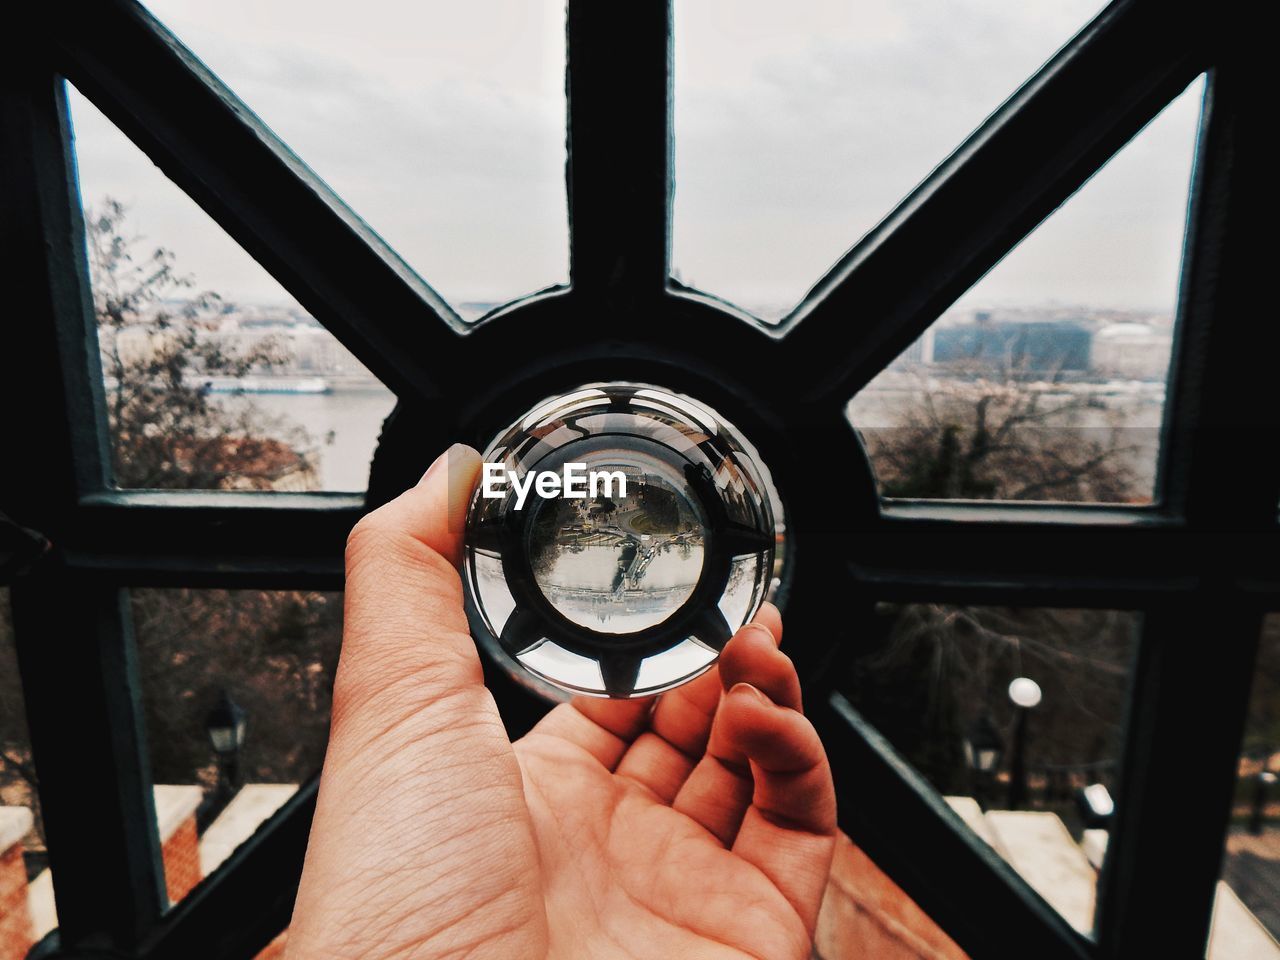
(761, 628)
(464, 469)
(439, 463)
(748, 688)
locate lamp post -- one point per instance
(983, 748)
(1025, 695)
(226, 725)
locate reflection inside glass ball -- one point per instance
(619, 564)
(631, 585)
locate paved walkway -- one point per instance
(1252, 869)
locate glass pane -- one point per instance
(796, 134)
(1015, 715)
(1246, 916)
(27, 911)
(215, 377)
(442, 124)
(236, 688)
(1046, 381)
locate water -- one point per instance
(352, 417)
(343, 426)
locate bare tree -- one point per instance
(274, 651)
(934, 670)
(153, 327)
(1002, 432)
(982, 429)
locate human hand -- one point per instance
(698, 824)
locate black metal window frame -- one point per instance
(1201, 564)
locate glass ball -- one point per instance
(618, 538)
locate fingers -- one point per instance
(603, 728)
(622, 718)
(752, 656)
(663, 756)
(718, 791)
(683, 716)
(660, 758)
(404, 625)
(765, 788)
(788, 832)
(769, 617)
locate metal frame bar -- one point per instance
(1027, 158)
(619, 165)
(1197, 653)
(89, 746)
(951, 873)
(1203, 559)
(206, 538)
(85, 720)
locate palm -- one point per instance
(627, 870)
(648, 842)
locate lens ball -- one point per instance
(618, 538)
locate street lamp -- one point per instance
(1096, 805)
(1025, 695)
(225, 726)
(982, 750)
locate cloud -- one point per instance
(442, 124)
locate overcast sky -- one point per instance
(798, 126)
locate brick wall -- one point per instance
(176, 806)
(181, 854)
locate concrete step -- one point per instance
(1039, 847)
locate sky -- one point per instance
(797, 128)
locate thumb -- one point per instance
(420, 819)
(404, 624)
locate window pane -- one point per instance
(1011, 713)
(236, 688)
(441, 124)
(27, 910)
(797, 133)
(1246, 916)
(1046, 381)
(215, 377)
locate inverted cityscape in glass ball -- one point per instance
(619, 536)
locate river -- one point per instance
(344, 426)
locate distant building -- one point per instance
(920, 352)
(1029, 347)
(1132, 351)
